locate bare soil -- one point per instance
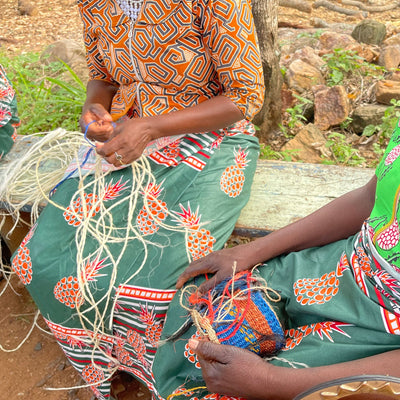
(39, 364)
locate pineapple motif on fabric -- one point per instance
(232, 179)
(154, 213)
(89, 206)
(153, 328)
(392, 156)
(138, 345)
(320, 290)
(172, 151)
(367, 268)
(67, 289)
(199, 240)
(22, 263)
(323, 329)
(121, 353)
(217, 143)
(189, 354)
(92, 375)
(388, 235)
(69, 339)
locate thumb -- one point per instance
(100, 112)
(209, 351)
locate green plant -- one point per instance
(49, 95)
(385, 129)
(296, 113)
(346, 123)
(342, 152)
(267, 153)
(342, 64)
(317, 34)
(283, 71)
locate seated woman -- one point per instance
(338, 274)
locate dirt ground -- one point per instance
(39, 365)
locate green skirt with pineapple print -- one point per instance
(102, 264)
(331, 307)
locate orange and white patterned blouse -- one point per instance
(178, 53)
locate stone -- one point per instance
(390, 57)
(38, 346)
(386, 90)
(309, 56)
(331, 106)
(27, 8)
(290, 41)
(369, 31)
(71, 53)
(369, 53)
(66, 50)
(301, 76)
(329, 41)
(395, 76)
(308, 144)
(366, 114)
(288, 100)
(392, 40)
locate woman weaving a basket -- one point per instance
(336, 278)
(173, 86)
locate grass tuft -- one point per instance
(49, 95)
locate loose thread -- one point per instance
(293, 364)
(181, 392)
(26, 337)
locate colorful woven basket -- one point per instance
(237, 312)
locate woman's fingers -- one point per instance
(96, 122)
(221, 263)
(210, 352)
(100, 113)
(198, 267)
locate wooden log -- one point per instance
(296, 4)
(283, 192)
(364, 7)
(330, 6)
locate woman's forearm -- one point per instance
(337, 220)
(276, 387)
(218, 112)
(99, 92)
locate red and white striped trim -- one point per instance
(141, 293)
(195, 163)
(391, 322)
(77, 332)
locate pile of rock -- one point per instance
(302, 59)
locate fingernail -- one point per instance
(193, 343)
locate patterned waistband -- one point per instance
(369, 266)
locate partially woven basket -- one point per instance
(237, 312)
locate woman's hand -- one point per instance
(127, 142)
(98, 122)
(232, 371)
(222, 264)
